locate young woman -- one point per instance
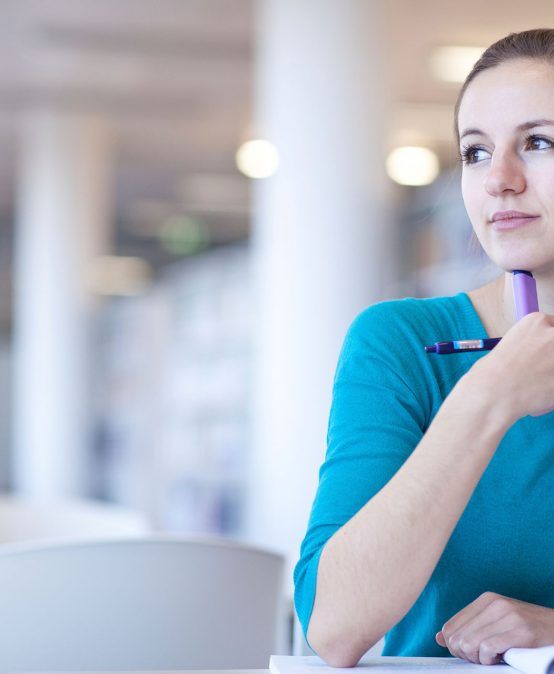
(433, 522)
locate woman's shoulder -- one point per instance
(412, 319)
(386, 342)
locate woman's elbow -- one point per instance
(334, 650)
(341, 660)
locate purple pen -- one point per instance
(525, 293)
(463, 345)
(526, 302)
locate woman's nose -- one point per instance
(505, 175)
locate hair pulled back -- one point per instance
(537, 44)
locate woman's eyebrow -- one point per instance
(472, 132)
(536, 122)
(521, 127)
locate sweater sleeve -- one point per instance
(378, 416)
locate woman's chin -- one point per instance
(530, 254)
(527, 260)
(530, 263)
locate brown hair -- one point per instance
(529, 44)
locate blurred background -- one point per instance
(196, 199)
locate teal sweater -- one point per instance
(386, 392)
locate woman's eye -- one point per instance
(473, 155)
(539, 143)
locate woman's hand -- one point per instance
(485, 629)
(521, 368)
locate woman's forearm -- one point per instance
(375, 567)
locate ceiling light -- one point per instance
(453, 64)
(257, 158)
(412, 165)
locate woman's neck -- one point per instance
(495, 305)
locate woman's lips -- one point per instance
(513, 222)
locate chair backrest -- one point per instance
(155, 603)
(24, 519)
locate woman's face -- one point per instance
(506, 123)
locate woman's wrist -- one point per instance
(482, 387)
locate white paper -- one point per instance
(531, 660)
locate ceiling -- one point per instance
(175, 78)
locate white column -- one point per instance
(61, 224)
(321, 243)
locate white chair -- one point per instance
(138, 604)
(25, 519)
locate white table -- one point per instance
(172, 671)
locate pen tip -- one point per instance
(430, 349)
